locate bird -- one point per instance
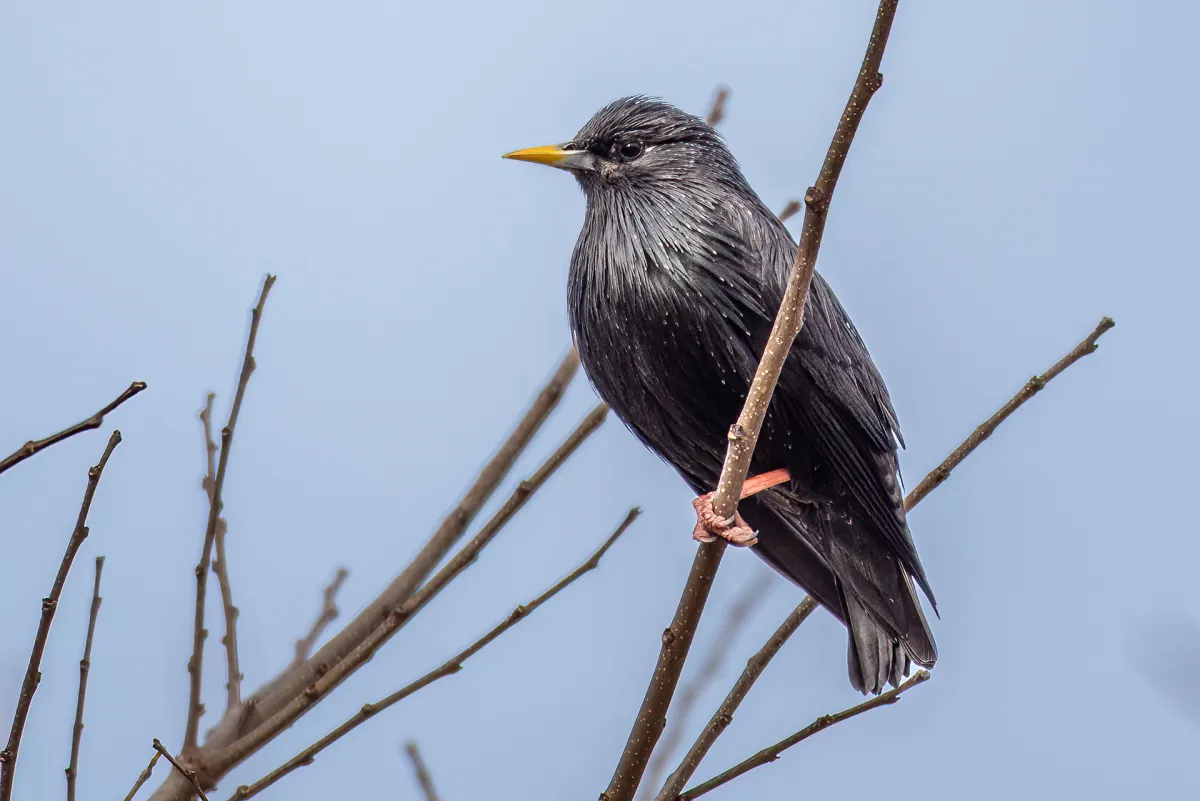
(674, 283)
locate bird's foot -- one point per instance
(710, 526)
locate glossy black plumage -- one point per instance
(674, 283)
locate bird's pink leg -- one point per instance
(709, 526)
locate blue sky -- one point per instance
(1025, 170)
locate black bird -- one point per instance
(674, 284)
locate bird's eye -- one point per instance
(630, 150)
(572, 146)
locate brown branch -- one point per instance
(220, 566)
(186, 772)
(292, 682)
(33, 675)
(85, 665)
(790, 210)
(327, 615)
(1031, 388)
(144, 776)
(735, 618)
(743, 435)
(724, 714)
(93, 422)
(451, 666)
(421, 771)
(716, 112)
(196, 663)
(400, 615)
(771, 753)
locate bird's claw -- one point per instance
(709, 526)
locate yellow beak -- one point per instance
(550, 155)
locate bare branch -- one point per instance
(220, 565)
(751, 595)
(716, 112)
(93, 422)
(724, 714)
(771, 753)
(1031, 388)
(33, 675)
(85, 665)
(144, 776)
(422, 772)
(790, 210)
(743, 435)
(292, 682)
(397, 617)
(186, 772)
(328, 614)
(447, 668)
(196, 663)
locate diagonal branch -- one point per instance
(327, 615)
(196, 663)
(716, 111)
(400, 615)
(422, 772)
(220, 566)
(754, 668)
(743, 435)
(293, 681)
(187, 773)
(85, 665)
(771, 753)
(985, 430)
(144, 776)
(33, 675)
(451, 666)
(93, 422)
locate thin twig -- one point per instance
(186, 772)
(754, 591)
(33, 675)
(771, 753)
(196, 662)
(85, 665)
(716, 112)
(93, 422)
(144, 776)
(421, 771)
(743, 435)
(1031, 388)
(291, 682)
(451, 666)
(724, 714)
(327, 615)
(399, 616)
(220, 565)
(790, 210)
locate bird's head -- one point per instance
(640, 143)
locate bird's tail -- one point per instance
(878, 655)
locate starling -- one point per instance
(674, 284)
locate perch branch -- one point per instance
(93, 422)
(33, 675)
(328, 614)
(771, 753)
(400, 615)
(292, 681)
(187, 773)
(220, 566)
(985, 430)
(735, 619)
(196, 663)
(85, 665)
(422, 772)
(144, 776)
(743, 435)
(447, 668)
